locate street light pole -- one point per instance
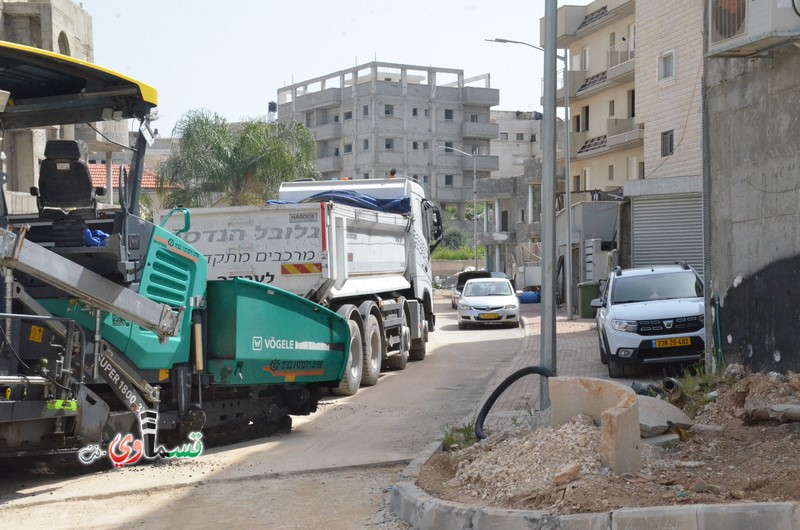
(474, 200)
(567, 192)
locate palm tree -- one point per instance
(233, 164)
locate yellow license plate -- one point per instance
(671, 343)
(488, 316)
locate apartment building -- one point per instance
(431, 124)
(634, 84)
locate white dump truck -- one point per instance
(359, 247)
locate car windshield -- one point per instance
(487, 289)
(650, 287)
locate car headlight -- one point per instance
(512, 307)
(465, 307)
(625, 325)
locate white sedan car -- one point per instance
(488, 301)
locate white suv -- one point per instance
(651, 316)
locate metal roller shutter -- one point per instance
(668, 228)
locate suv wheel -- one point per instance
(615, 369)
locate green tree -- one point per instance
(233, 164)
(455, 238)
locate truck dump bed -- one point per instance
(309, 249)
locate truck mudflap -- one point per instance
(258, 334)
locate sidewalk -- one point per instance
(577, 354)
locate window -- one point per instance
(476, 150)
(424, 146)
(365, 110)
(388, 110)
(415, 111)
(335, 151)
(666, 66)
(415, 145)
(585, 58)
(448, 114)
(336, 119)
(448, 147)
(611, 172)
(576, 183)
(388, 144)
(348, 148)
(308, 120)
(348, 115)
(522, 216)
(365, 145)
(366, 176)
(667, 143)
(533, 138)
(631, 103)
(576, 123)
(415, 177)
(641, 170)
(585, 116)
(448, 180)
(520, 136)
(473, 118)
(504, 136)
(611, 109)
(425, 179)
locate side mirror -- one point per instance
(597, 303)
(519, 293)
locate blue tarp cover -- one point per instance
(400, 205)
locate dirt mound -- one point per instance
(747, 456)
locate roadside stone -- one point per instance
(566, 474)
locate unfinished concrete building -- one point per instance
(430, 124)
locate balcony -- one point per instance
(573, 22)
(482, 162)
(329, 163)
(624, 133)
(488, 131)
(330, 97)
(527, 232)
(620, 62)
(478, 96)
(328, 131)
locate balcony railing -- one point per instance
(620, 54)
(328, 131)
(329, 163)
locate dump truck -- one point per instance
(361, 248)
(109, 319)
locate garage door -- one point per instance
(668, 228)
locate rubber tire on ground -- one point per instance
(351, 379)
(373, 352)
(419, 347)
(462, 325)
(603, 353)
(615, 369)
(399, 360)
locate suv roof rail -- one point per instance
(683, 264)
(618, 270)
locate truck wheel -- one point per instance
(399, 360)
(419, 347)
(373, 351)
(351, 379)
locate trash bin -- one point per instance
(587, 291)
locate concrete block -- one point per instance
(612, 405)
(751, 516)
(672, 517)
(586, 521)
(654, 414)
(663, 440)
(500, 519)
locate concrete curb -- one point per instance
(424, 512)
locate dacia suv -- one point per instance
(650, 316)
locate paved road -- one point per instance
(331, 471)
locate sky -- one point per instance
(232, 57)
